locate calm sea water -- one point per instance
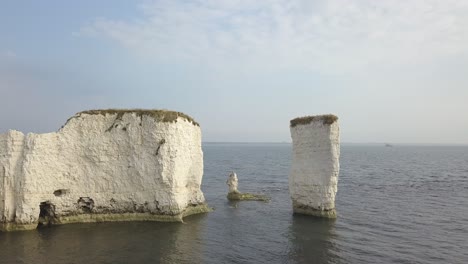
(395, 205)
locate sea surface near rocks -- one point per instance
(401, 204)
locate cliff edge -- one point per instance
(103, 165)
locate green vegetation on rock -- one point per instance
(318, 213)
(159, 115)
(237, 196)
(113, 217)
(305, 120)
(307, 210)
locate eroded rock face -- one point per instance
(108, 165)
(315, 167)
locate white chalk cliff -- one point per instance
(315, 166)
(103, 165)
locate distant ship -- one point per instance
(388, 145)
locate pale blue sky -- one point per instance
(393, 71)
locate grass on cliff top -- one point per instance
(159, 115)
(305, 120)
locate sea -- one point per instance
(400, 204)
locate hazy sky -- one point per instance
(393, 71)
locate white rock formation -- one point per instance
(314, 175)
(232, 182)
(103, 165)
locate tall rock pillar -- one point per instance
(315, 167)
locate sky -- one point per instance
(393, 71)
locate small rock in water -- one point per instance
(235, 195)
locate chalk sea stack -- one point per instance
(103, 165)
(315, 166)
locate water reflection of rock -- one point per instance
(187, 245)
(131, 242)
(312, 240)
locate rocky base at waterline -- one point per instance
(308, 210)
(103, 165)
(107, 217)
(238, 196)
